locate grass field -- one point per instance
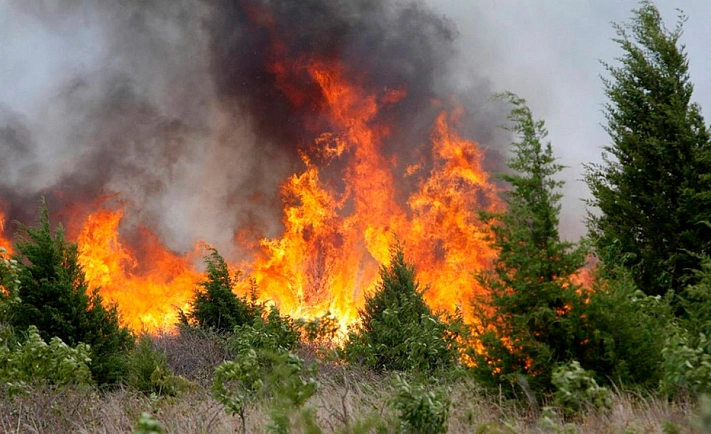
(346, 399)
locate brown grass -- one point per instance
(342, 400)
(345, 397)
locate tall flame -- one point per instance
(334, 241)
(148, 299)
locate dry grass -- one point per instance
(343, 399)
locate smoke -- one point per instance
(175, 108)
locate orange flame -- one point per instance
(4, 242)
(335, 241)
(335, 236)
(148, 300)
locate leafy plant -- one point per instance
(576, 389)
(9, 293)
(321, 330)
(148, 425)
(36, 361)
(626, 329)
(290, 391)
(263, 366)
(148, 371)
(687, 353)
(273, 333)
(687, 364)
(421, 410)
(235, 381)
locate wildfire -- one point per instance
(148, 296)
(4, 243)
(334, 241)
(341, 215)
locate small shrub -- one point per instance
(9, 293)
(273, 333)
(235, 381)
(687, 352)
(283, 330)
(149, 372)
(263, 366)
(625, 329)
(398, 330)
(686, 364)
(576, 389)
(421, 410)
(55, 298)
(215, 305)
(322, 330)
(291, 385)
(551, 422)
(148, 425)
(35, 361)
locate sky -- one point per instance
(547, 51)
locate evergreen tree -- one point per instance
(215, 306)
(54, 297)
(654, 186)
(529, 319)
(398, 331)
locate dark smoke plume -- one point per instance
(173, 106)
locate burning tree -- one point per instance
(359, 139)
(529, 319)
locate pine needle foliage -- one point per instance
(528, 322)
(653, 188)
(215, 305)
(398, 330)
(56, 298)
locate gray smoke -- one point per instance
(170, 106)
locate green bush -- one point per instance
(687, 352)
(148, 425)
(273, 333)
(576, 389)
(420, 409)
(322, 330)
(625, 330)
(397, 330)
(55, 297)
(236, 381)
(687, 364)
(35, 361)
(215, 305)
(264, 367)
(9, 293)
(148, 371)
